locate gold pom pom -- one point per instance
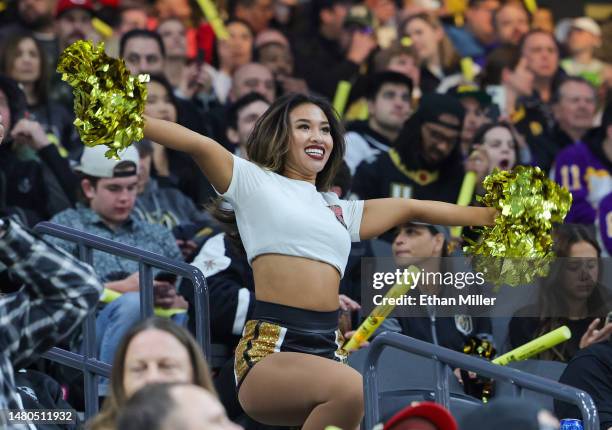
(519, 246)
(108, 101)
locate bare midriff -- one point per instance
(296, 281)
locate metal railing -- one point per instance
(443, 357)
(88, 362)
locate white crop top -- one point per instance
(279, 215)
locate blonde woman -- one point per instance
(439, 61)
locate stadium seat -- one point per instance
(543, 368)
(404, 378)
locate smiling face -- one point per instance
(311, 142)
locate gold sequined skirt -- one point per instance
(279, 328)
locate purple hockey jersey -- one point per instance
(584, 170)
(604, 221)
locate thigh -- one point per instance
(284, 388)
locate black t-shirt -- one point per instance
(451, 332)
(590, 370)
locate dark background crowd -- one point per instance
(437, 89)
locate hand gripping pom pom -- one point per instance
(108, 102)
(529, 203)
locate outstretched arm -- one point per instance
(380, 215)
(215, 161)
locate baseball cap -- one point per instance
(434, 228)
(271, 36)
(430, 411)
(433, 106)
(359, 17)
(587, 24)
(470, 91)
(94, 163)
(66, 5)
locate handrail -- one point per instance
(445, 356)
(87, 242)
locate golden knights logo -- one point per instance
(464, 324)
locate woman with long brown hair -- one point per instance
(571, 295)
(22, 59)
(154, 350)
(297, 238)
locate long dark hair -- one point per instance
(551, 304)
(268, 146)
(161, 80)
(9, 55)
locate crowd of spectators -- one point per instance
(436, 90)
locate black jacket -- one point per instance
(39, 392)
(451, 332)
(30, 188)
(590, 370)
(231, 288)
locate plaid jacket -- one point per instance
(59, 291)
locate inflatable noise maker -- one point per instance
(536, 346)
(380, 312)
(482, 387)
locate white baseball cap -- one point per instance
(94, 163)
(587, 24)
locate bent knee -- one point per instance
(350, 391)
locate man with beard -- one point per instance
(73, 22)
(511, 23)
(425, 162)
